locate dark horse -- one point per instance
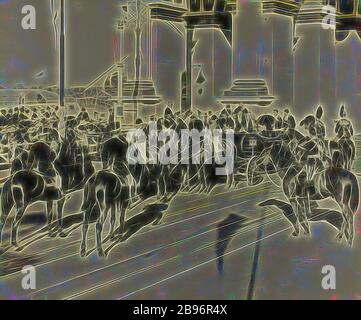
(333, 182)
(22, 189)
(119, 185)
(104, 192)
(74, 167)
(31, 180)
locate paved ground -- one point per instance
(176, 260)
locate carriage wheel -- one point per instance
(252, 177)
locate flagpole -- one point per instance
(62, 55)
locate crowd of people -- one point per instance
(46, 147)
(23, 125)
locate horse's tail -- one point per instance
(88, 196)
(93, 197)
(100, 196)
(6, 204)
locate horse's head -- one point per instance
(267, 121)
(196, 124)
(344, 129)
(308, 122)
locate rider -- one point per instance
(343, 127)
(313, 149)
(288, 120)
(343, 142)
(278, 123)
(19, 161)
(169, 119)
(83, 115)
(225, 119)
(246, 120)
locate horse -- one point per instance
(347, 149)
(333, 217)
(113, 152)
(277, 155)
(109, 190)
(104, 191)
(22, 189)
(41, 158)
(31, 180)
(74, 168)
(333, 182)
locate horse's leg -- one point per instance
(302, 214)
(333, 217)
(158, 220)
(60, 208)
(191, 183)
(49, 212)
(208, 180)
(15, 225)
(20, 210)
(99, 229)
(162, 186)
(342, 232)
(84, 238)
(188, 180)
(298, 207)
(123, 211)
(346, 225)
(112, 221)
(165, 178)
(7, 202)
(174, 193)
(203, 179)
(198, 186)
(350, 160)
(349, 227)
(87, 219)
(104, 209)
(293, 218)
(202, 183)
(200, 179)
